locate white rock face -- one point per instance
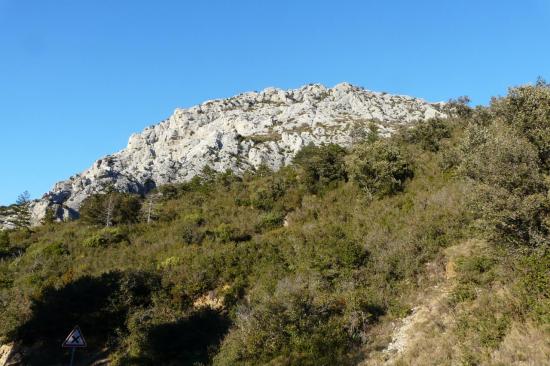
(238, 133)
(7, 222)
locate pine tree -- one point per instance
(111, 209)
(22, 210)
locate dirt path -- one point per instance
(426, 318)
(422, 337)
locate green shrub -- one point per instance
(487, 325)
(321, 166)
(379, 168)
(95, 241)
(428, 134)
(475, 269)
(55, 249)
(462, 293)
(265, 193)
(191, 234)
(50, 217)
(527, 109)
(194, 219)
(189, 340)
(264, 198)
(225, 233)
(169, 262)
(512, 219)
(292, 326)
(189, 227)
(497, 156)
(510, 196)
(270, 220)
(258, 139)
(168, 213)
(169, 191)
(106, 237)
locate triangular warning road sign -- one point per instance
(75, 339)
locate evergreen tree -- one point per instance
(22, 210)
(111, 209)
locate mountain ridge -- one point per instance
(237, 133)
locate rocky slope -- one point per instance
(237, 133)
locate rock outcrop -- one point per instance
(10, 355)
(7, 218)
(237, 133)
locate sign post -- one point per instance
(72, 356)
(74, 340)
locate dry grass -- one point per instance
(524, 345)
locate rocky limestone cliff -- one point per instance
(237, 133)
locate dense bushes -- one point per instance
(321, 165)
(429, 134)
(99, 305)
(296, 325)
(527, 109)
(499, 157)
(190, 340)
(506, 156)
(309, 265)
(105, 237)
(270, 220)
(380, 168)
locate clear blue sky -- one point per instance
(77, 77)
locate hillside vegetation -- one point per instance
(313, 264)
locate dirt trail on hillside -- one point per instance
(426, 318)
(421, 338)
